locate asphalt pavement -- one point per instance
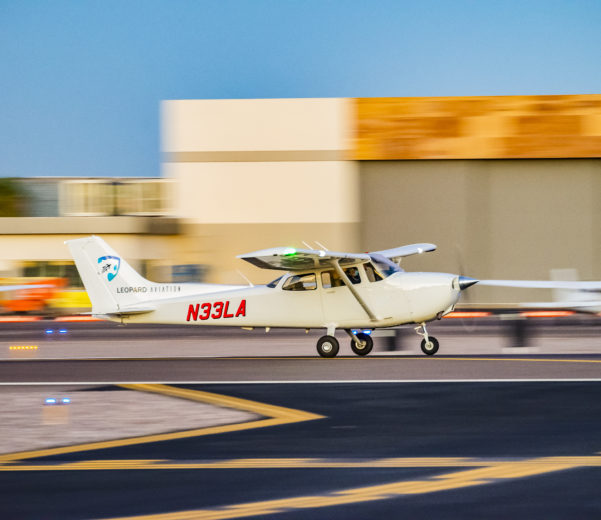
(485, 429)
(417, 450)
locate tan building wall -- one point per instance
(252, 174)
(257, 173)
(154, 241)
(509, 219)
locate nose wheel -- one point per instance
(430, 347)
(429, 343)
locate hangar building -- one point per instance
(507, 187)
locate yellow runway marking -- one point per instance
(376, 358)
(527, 360)
(492, 471)
(483, 468)
(276, 415)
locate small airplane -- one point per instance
(586, 299)
(321, 289)
(6, 288)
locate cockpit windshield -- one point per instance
(275, 282)
(384, 266)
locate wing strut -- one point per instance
(354, 291)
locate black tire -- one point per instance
(365, 349)
(328, 346)
(432, 349)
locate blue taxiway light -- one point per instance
(54, 400)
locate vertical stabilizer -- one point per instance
(112, 284)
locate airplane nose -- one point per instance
(464, 282)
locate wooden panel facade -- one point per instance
(492, 127)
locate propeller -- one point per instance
(464, 282)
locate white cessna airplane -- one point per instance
(320, 290)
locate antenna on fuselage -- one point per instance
(322, 246)
(243, 276)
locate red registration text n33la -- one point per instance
(215, 310)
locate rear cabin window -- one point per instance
(372, 274)
(301, 282)
(331, 279)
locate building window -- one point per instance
(104, 197)
(65, 270)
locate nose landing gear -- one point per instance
(429, 343)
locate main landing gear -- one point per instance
(328, 346)
(361, 344)
(429, 343)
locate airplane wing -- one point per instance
(292, 259)
(4, 288)
(570, 305)
(544, 284)
(399, 252)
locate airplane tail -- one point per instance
(113, 286)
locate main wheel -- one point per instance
(366, 343)
(328, 346)
(430, 347)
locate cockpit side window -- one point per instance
(372, 273)
(353, 275)
(301, 282)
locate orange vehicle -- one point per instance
(35, 300)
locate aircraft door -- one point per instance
(339, 304)
(301, 301)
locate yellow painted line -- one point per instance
(280, 412)
(526, 360)
(275, 416)
(399, 358)
(482, 469)
(277, 463)
(445, 482)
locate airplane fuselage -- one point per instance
(398, 299)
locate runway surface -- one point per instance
(291, 369)
(481, 431)
(341, 451)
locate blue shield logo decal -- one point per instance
(109, 265)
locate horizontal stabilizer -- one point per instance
(132, 310)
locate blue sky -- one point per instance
(81, 81)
